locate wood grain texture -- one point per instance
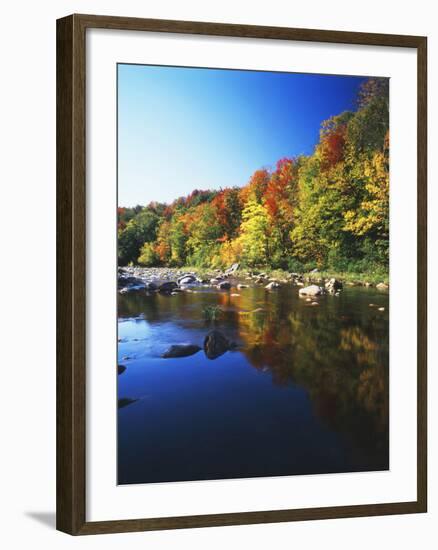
(71, 273)
(247, 518)
(422, 275)
(247, 31)
(64, 268)
(71, 265)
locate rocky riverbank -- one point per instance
(173, 280)
(163, 279)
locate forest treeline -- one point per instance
(328, 210)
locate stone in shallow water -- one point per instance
(150, 286)
(215, 344)
(312, 290)
(232, 269)
(333, 285)
(125, 401)
(168, 286)
(224, 285)
(382, 286)
(187, 280)
(272, 285)
(180, 350)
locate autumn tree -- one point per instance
(279, 200)
(204, 230)
(256, 186)
(140, 229)
(371, 219)
(177, 239)
(253, 234)
(148, 255)
(228, 207)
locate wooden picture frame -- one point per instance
(71, 274)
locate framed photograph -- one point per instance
(241, 274)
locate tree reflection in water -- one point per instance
(337, 352)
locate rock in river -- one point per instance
(382, 286)
(187, 280)
(232, 269)
(168, 286)
(125, 401)
(272, 284)
(215, 344)
(151, 286)
(312, 290)
(128, 281)
(181, 350)
(224, 285)
(333, 285)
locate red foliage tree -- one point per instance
(256, 186)
(333, 137)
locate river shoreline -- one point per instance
(151, 278)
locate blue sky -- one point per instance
(181, 129)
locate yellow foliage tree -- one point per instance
(373, 214)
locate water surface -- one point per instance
(305, 391)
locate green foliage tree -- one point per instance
(177, 241)
(204, 230)
(148, 255)
(140, 229)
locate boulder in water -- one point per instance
(232, 269)
(129, 281)
(333, 285)
(224, 285)
(187, 280)
(168, 286)
(272, 285)
(382, 286)
(215, 344)
(181, 350)
(125, 401)
(312, 290)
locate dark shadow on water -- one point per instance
(47, 519)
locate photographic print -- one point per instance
(253, 274)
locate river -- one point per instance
(305, 389)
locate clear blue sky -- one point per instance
(185, 128)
